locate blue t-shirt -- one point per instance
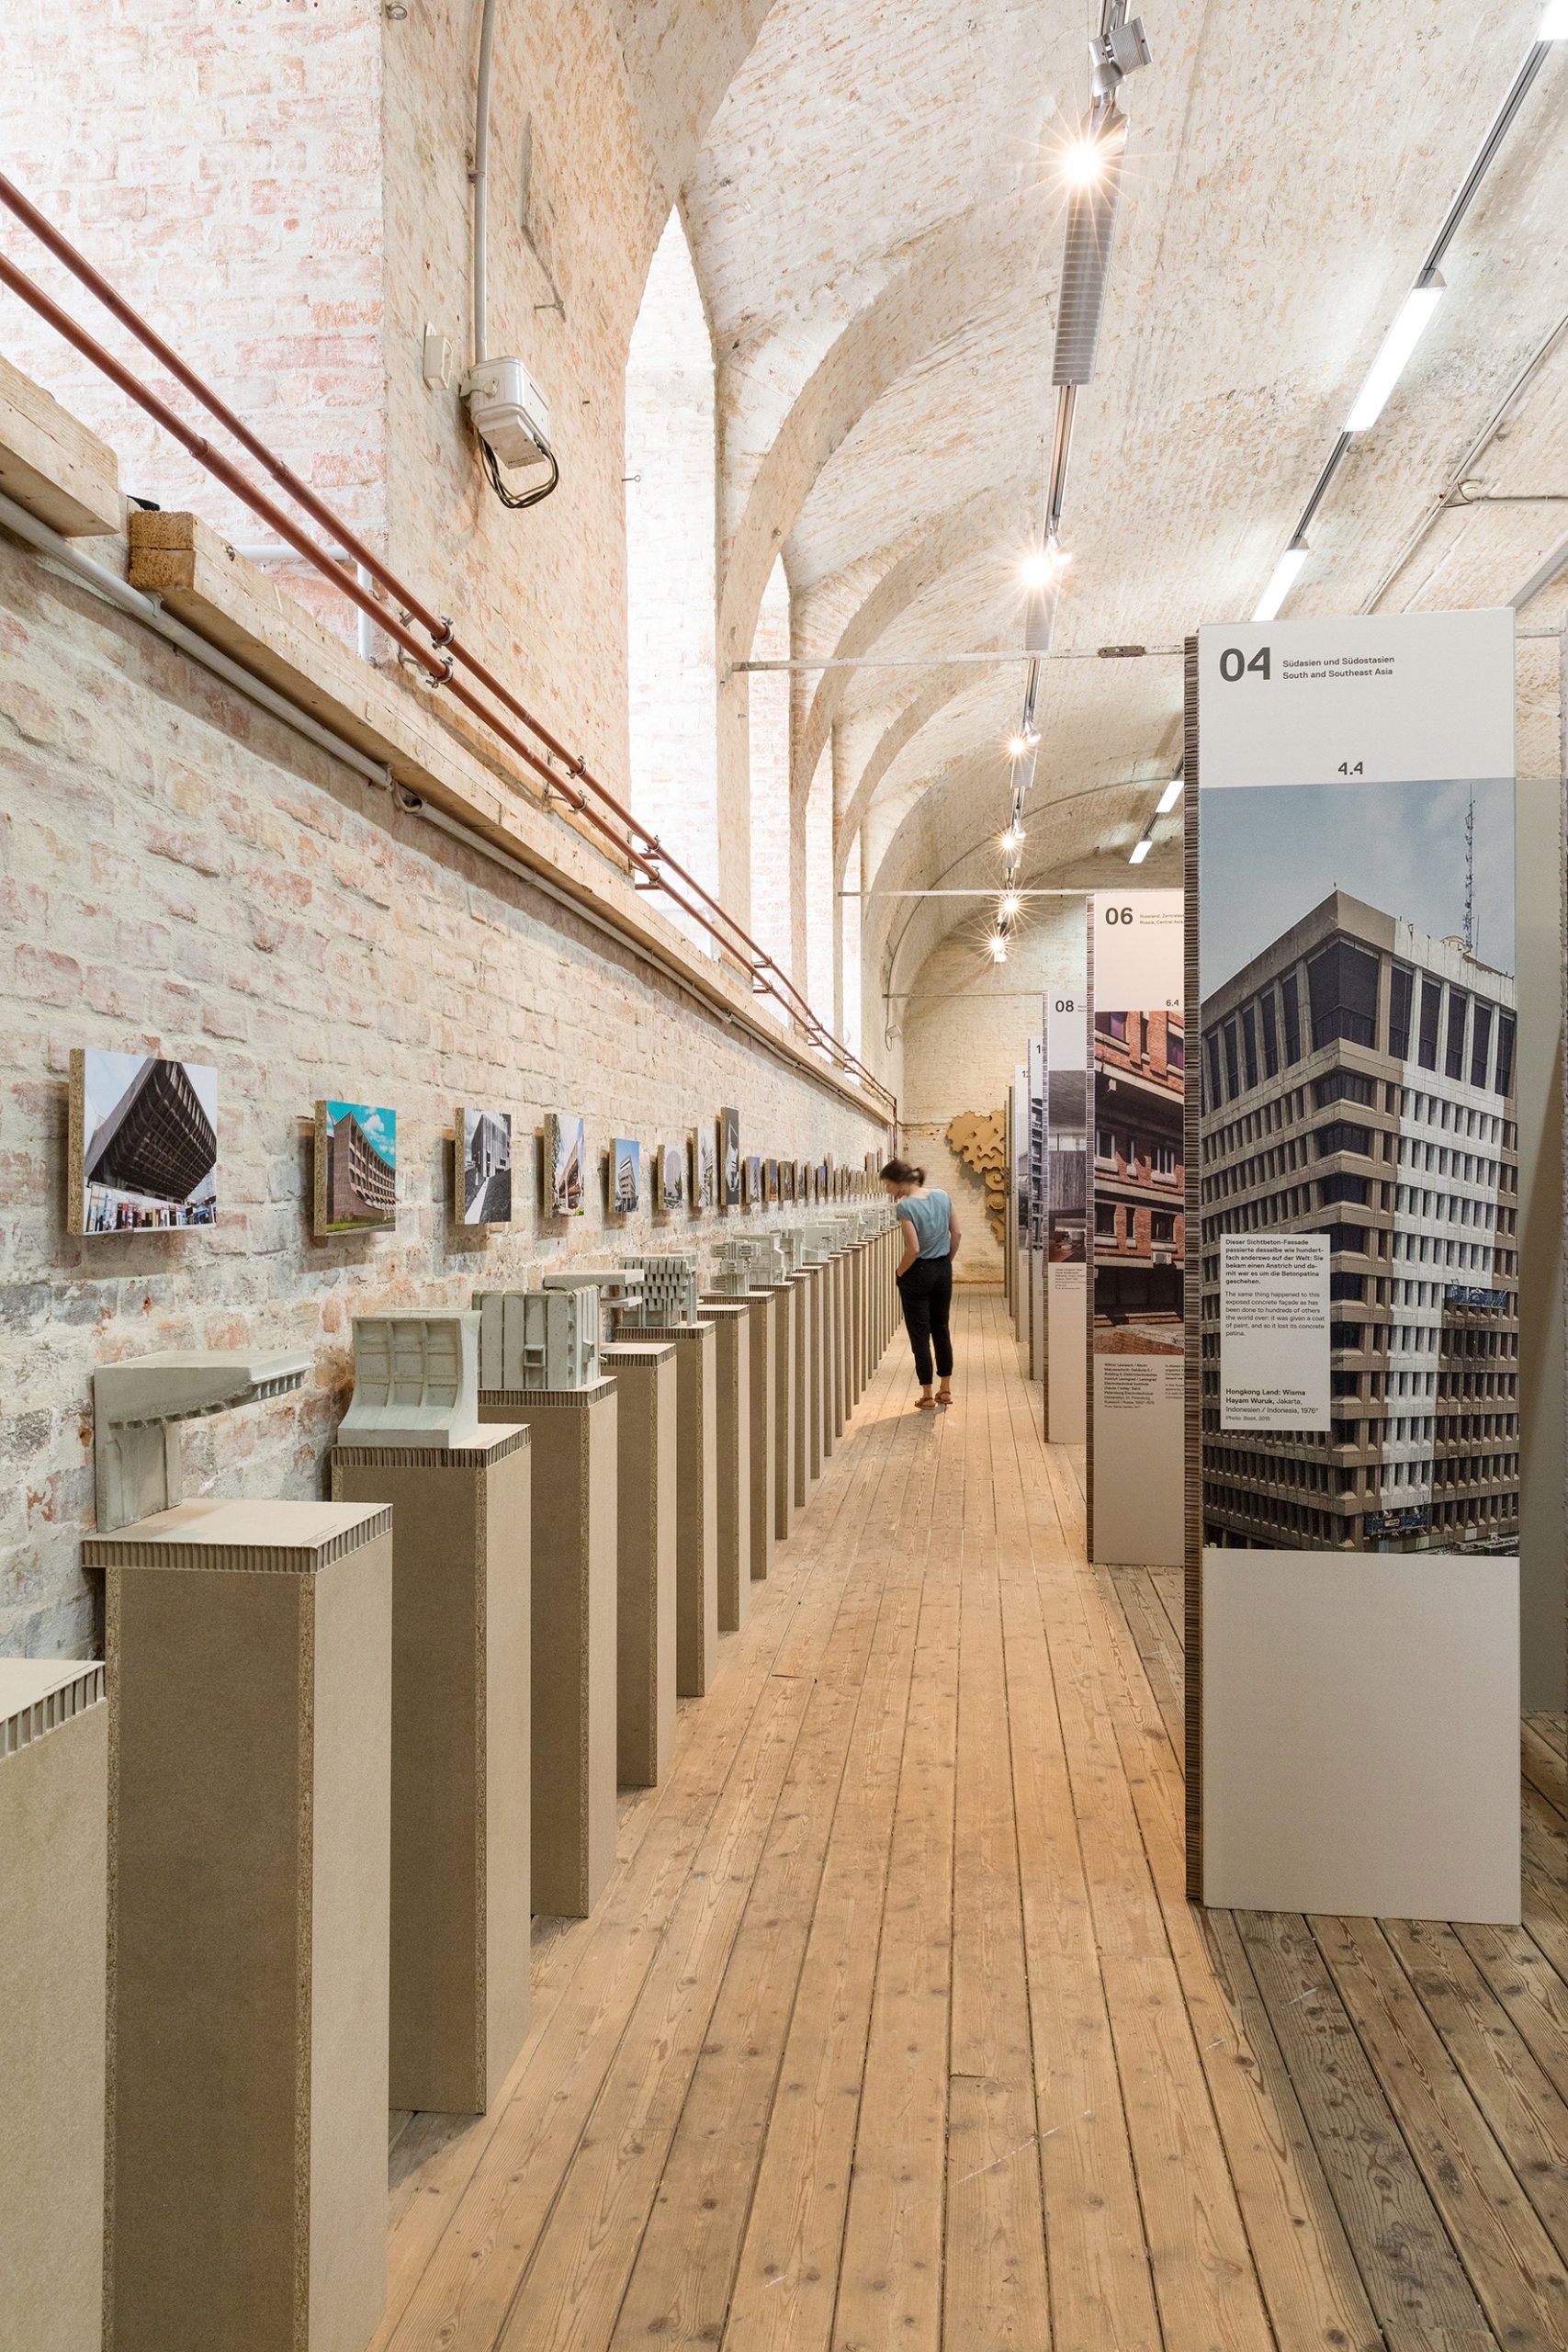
(929, 1214)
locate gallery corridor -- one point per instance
(893, 2015)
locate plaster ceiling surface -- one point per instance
(876, 217)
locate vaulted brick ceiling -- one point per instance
(876, 225)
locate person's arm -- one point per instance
(911, 1247)
(953, 1234)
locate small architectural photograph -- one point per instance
(671, 1177)
(1139, 1183)
(484, 1160)
(770, 1181)
(143, 1143)
(565, 1152)
(626, 1177)
(754, 1184)
(731, 1167)
(356, 1167)
(705, 1170)
(786, 1180)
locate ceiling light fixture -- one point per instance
(1140, 851)
(1042, 567)
(1170, 796)
(1008, 905)
(1554, 26)
(999, 946)
(1013, 838)
(1414, 315)
(1284, 580)
(1083, 162)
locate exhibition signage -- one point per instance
(1067, 1208)
(1136, 1069)
(1352, 1479)
(1035, 1228)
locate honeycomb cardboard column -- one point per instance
(786, 1316)
(250, 1664)
(816, 1447)
(460, 1760)
(841, 1329)
(696, 1503)
(801, 1325)
(763, 1309)
(575, 1479)
(732, 1391)
(645, 1601)
(54, 1849)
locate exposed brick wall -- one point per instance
(179, 873)
(966, 1028)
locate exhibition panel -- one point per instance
(1353, 1465)
(1064, 1355)
(1136, 1071)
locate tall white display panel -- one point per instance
(1018, 1203)
(1137, 1212)
(1066, 1211)
(1036, 1230)
(1352, 1716)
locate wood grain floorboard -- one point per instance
(893, 2026)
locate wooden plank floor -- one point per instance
(892, 2026)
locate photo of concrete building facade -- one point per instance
(484, 1142)
(1138, 1180)
(1358, 1081)
(144, 1135)
(356, 1167)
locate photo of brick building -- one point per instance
(1138, 1180)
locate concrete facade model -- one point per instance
(416, 1379)
(546, 1339)
(250, 1752)
(574, 1490)
(53, 1837)
(461, 1758)
(1359, 1081)
(669, 1286)
(645, 1376)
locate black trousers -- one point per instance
(925, 1294)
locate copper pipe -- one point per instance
(439, 665)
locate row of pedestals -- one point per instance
(345, 1751)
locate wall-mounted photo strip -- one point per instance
(143, 1143)
(626, 1177)
(729, 1159)
(705, 1170)
(786, 1180)
(671, 1177)
(357, 1168)
(565, 1152)
(753, 1181)
(770, 1181)
(484, 1166)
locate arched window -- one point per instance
(768, 698)
(671, 590)
(848, 993)
(820, 902)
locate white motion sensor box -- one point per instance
(509, 411)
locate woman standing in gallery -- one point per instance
(930, 1233)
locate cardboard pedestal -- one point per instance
(837, 1364)
(732, 1389)
(787, 1319)
(645, 1601)
(763, 1310)
(572, 1677)
(801, 1327)
(460, 1760)
(697, 1502)
(250, 1665)
(53, 1844)
(821, 1443)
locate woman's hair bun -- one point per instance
(902, 1171)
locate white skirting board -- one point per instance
(1360, 1734)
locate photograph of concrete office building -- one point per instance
(484, 1150)
(1067, 1166)
(1139, 1207)
(143, 1143)
(1358, 1064)
(356, 1167)
(566, 1151)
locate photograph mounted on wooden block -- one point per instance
(484, 1166)
(753, 1189)
(357, 1168)
(729, 1159)
(143, 1143)
(786, 1180)
(626, 1177)
(565, 1153)
(672, 1161)
(705, 1170)
(770, 1181)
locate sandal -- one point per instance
(925, 1403)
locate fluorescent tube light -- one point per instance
(1553, 25)
(1280, 585)
(1409, 326)
(1140, 851)
(1170, 797)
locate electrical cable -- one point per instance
(510, 498)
